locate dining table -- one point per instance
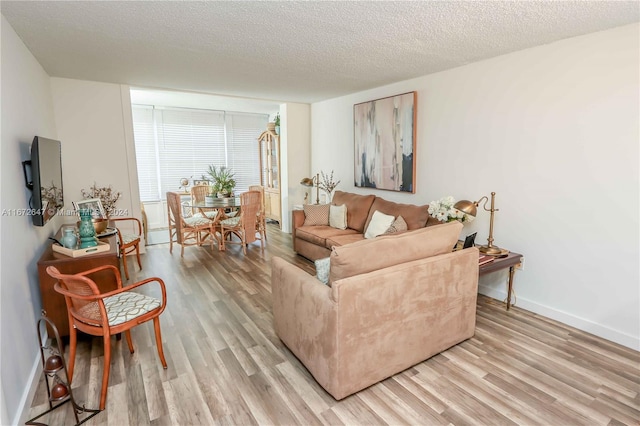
(227, 205)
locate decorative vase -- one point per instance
(86, 230)
(69, 239)
(277, 130)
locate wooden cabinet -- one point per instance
(269, 144)
(52, 301)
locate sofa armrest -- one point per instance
(296, 222)
(305, 318)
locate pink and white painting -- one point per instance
(385, 142)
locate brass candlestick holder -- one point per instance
(471, 208)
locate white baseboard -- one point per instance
(566, 318)
(25, 402)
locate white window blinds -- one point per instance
(146, 153)
(176, 143)
(243, 154)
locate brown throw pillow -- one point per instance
(316, 214)
(398, 225)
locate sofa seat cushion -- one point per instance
(388, 250)
(357, 208)
(319, 234)
(341, 240)
(415, 216)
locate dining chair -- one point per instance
(261, 219)
(145, 222)
(243, 225)
(186, 231)
(198, 193)
(106, 314)
(127, 242)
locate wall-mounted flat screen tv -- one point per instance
(46, 179)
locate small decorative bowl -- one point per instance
(100, 225)
(59, 391)
(53, 364)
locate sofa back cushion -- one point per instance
(357, 208)
(388, 250)
(415, 216)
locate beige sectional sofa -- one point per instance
(315, 242)
(393, 301)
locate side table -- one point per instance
(52, 301)
(511, 261)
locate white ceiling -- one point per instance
(302, 51)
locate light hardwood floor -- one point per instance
(226, 365)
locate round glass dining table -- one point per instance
(218, 203)
(227, 205)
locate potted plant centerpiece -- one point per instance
(222, 181)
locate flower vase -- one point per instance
(69, 240)
(86, 230)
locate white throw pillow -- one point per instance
(379, 224)
(338, 216)
(322, 269)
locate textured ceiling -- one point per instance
(290, 51)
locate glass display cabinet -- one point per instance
(269, 143)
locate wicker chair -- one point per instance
(186, 231)
(198, 193)
(106, 314)
(242, 225)
(128, 243)
(261, 218)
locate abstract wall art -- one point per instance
(385, 143)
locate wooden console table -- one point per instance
(52, 301)
(511, 261)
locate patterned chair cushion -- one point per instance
(127, 306)
(232, 221)
(128, 238)
(210, 214)
(196, 221)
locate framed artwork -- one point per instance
(385, 143)
(197, 182)
(93, 204)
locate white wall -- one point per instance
(295, 156)
(554, 130)
(27, 111)
(94, 123)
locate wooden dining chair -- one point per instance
(106, 314)
(244, 224)
(261, 218)
(187, 231)
(129, 242)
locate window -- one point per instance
(175, 143)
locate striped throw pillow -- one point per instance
(398, 225)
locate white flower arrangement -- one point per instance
(444, 211)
